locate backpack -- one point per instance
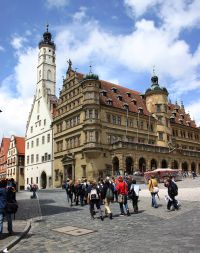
(175, 189)
(131, 193)
(109, 194)
(93, 194)
(100, 187)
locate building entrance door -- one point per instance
(68, 171)
(44, 180)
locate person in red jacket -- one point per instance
(122, 190)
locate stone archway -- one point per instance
(185, 166)
(193, 166)
(153, 164)
(174, 165)
(142, 165)
(115, 164)
(43, 180)
(164, 164)
(129, 165)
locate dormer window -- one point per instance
(109, 101)
(128, 94)
(181, 121)
(119, 97)
(174, 113)
(140, 110)
(188, 123)
(172, 119)
(134, 101)
(126, 106)
(103, 93)
(114, 89)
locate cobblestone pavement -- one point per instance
(152, 230)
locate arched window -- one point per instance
(115, 163)
(142, 165)
(49, 75)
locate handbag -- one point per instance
(120, 198)
(11, 207)
(155, 189)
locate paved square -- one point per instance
(75, 231)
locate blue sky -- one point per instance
(122, 39)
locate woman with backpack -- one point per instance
(122, 190)
(108, 196)
(94, 197)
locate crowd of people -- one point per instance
(104, 192)
(95, 194)
(119, 189)
(8, 203)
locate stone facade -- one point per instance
(103, 129)
(15, 160)
(5, 143)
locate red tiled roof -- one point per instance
(123, 92)
(5, 143)
(180, 116)
(20, 145)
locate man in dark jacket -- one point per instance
(172, 192)
(3, 184)
(11, 207)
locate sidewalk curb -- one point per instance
(17, 238)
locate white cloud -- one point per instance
(57, 3)
(174, 15)
(2, 48)
(17, 42)
(138, 7)
(80, 15)
(193, 109)
(16, 93)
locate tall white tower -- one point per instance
(46, 70)
(39, 132)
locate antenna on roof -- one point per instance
(90, 72)
(154, 72)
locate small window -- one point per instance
(160, 136)
(48, 138)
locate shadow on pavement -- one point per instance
(47, 209)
